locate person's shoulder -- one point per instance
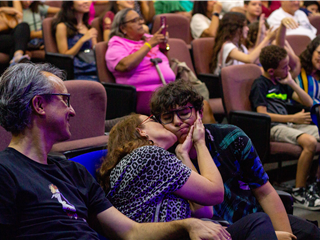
(61, 26)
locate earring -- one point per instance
(147, 136)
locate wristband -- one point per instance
(148, 45)
(216, 14)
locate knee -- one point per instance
(23, 27)
(307, 142)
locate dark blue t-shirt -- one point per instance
(51, 201)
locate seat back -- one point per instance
(104, 74)
(89, 100)
(4, 139)
(236, 86)
(180, 51)
(53, 3)
(202, 49)
(298, 43)
(315, 21)
(178, 26)
(101, 7)
(50, 44)
(96, 24)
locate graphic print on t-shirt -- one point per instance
(66, 206)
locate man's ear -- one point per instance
(38, 103)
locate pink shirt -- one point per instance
(145, 76)
(92, 12)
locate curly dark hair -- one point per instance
(177, 93)
(306, 56)
(229, 27)
(253, 33)
(123, 139)
(67, 16)
(271, 56)
(200, 7)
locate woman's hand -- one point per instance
(198, 136)
(182, 150)
(12, 11)
(262, 25)
(91, 33)
(285, 235)
(157, 38)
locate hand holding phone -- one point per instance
(163, 24)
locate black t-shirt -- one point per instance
(273, 96)
(48, 201)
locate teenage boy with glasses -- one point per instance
(247, 186)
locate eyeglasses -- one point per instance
(150, 117)
(183, 113)
(65, 97)
(135, 20)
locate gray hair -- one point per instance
(118, 20)
(18, 85)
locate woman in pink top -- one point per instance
(130, 50)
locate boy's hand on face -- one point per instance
(288, 80)
(199, 131)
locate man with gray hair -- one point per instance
(45, 198)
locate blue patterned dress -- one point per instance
(83, 70)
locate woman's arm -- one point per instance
(36, 34)
(17, 5)
(147, 9)
(53, 10)
(133, 60)
(62, 42)
(211, 31)
(254, 54)
(205, 189)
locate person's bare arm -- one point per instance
(211, 31)
(133, 60)
(205, 189)
(36, 34)
(117, 226)
(299, 94)
(144, 6)
(299, 118)
(62, 42)
(273, 206)
(17, 5)
(254, 54)
(53, 10)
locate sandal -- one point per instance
(23, 59)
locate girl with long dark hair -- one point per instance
(74, 36)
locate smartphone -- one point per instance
(163, 23)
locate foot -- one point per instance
(314, 189)
(305, 199)
(19, 58)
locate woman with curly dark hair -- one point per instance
(74, 36)
(229, 49)
(309, 77)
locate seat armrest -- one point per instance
(213, 84)
(122, 100)
(257, 127)
(62, 61)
